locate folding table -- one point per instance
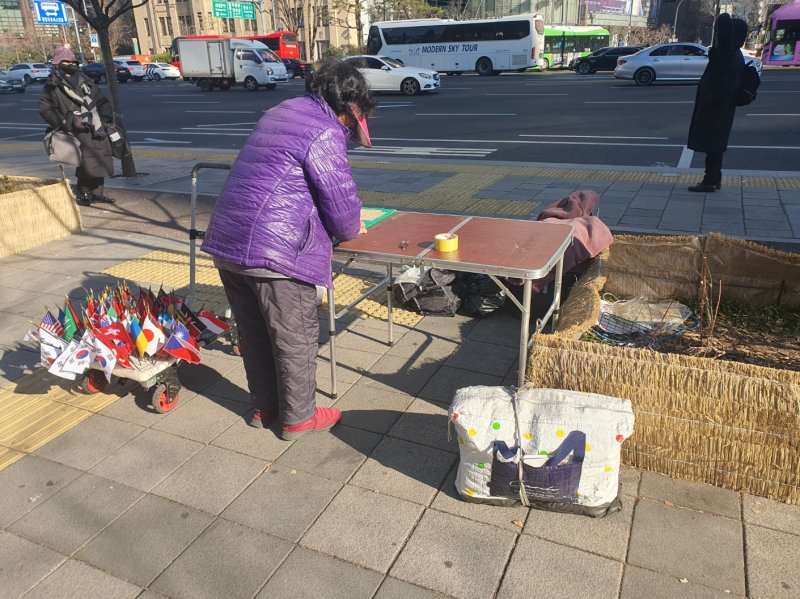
(497, 247)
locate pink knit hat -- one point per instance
(64, 54)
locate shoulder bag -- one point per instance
(62, 147)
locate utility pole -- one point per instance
(675, 22)
(77, 35)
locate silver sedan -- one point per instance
(678, 61)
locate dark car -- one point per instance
(12, 83)
(97, 72)
(297, 68)
(604, 59)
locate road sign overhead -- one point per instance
(234, 10)
(50, 12)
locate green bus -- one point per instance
(563, 43)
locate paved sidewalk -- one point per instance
(756, 205)
(125, 502)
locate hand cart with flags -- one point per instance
(160, 376)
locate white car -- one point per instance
(29, 71)
(387, 74)
(162, 70)
(677, 61)
(135, 68)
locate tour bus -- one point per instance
(488, 46)
(783, 47)
(564, 43)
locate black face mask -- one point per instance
(69, 69)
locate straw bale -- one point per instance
(37, 212)
(730, 424)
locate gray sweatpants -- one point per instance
(278, 333)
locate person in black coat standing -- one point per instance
(72, 102)
(715, 104)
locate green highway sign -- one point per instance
(234, 10)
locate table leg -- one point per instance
(557, 293)
(389, 301)
(332, 339)
(524, 332)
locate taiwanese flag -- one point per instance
(182, 345)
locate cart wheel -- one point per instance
(94, 382)
(165, 397)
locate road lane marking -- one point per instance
(153, 140)
(191, 102)
(766, 114)
(211, 126)
(685, 161)
(525, 94)
(528, 141)
(220, 112)
(590, 136)
(463, 114)
(217, 133)
(633, 102)
(425, 151)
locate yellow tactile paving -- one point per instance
(9, 456)
(39, 385)
(167, 268)
(347, 289)
(27, 423)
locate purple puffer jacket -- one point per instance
(289, 191)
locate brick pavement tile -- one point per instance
(226, 560)
(696, 496)
(27, 483)
(714, 557)
(768, 233)
(75, 580)
(415, 344)
(142, 542)
(771, 514)
(76, 513)
(392, 588)
(425, 422)
(146, 460)
(226, 474)
(232, 386)
(197, 377)
(135, 407)
(257, 442)
(630, 479)
(455, 328)
(560, 572)
(483, 357)
(372, 409)
(363, 527)
(202, 419)
(24, 564)
(344, 373)
(448, 500)
(355, 361)
(443, 385)
(89, 442)
(365, 341)
(607, 536)
(405, 470)
(283, 502)
(307, 574)
(334, 455)
(638, 583)
(455, 556)
(401, 374)
(772, 571)
(500, 329)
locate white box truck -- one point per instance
(225, 62)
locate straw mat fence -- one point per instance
(729, 424)
(35, 212)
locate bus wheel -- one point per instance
(545, 64)
(644, 77)
(484, 66)
(251, 84)
(205, 85)
(409, 87)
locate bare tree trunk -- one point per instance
(128, 166)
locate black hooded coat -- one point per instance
(715, 104)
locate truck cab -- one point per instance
(224, 62)
(256, 65)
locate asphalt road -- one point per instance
(555, 117)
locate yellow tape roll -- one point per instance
(446, 242)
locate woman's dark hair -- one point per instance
(340, 84)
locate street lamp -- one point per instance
(675, 23)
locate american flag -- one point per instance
(51, 325)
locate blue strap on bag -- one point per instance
(553, 481)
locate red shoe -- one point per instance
(322, 420)
(259, 419)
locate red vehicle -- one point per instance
(283, 43)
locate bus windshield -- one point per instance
(488, 46)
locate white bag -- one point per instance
(546, 417)
(63, 148)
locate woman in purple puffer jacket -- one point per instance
(290, 192)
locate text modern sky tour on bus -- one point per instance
(443, 49)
